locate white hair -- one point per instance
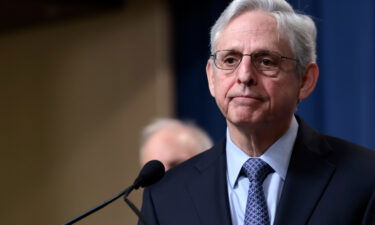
(298, 29)
(200, 137)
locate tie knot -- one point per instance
(256, 169)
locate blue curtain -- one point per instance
(342, 104)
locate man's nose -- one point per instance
(246, 72)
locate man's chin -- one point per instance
(242, 120)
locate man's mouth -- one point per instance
(245, 99)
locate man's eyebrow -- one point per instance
(265, 50)
(230, 49)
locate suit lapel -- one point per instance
(308, 175)
(209, 189)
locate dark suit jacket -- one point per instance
(329, 182)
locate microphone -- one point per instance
(151, 173)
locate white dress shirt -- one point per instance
(277, 156)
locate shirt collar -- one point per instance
(277, 155)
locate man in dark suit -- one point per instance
(272, 168)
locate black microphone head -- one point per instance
(151, 173)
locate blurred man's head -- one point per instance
(172, 142)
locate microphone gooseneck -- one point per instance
(151, 173)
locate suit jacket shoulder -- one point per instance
(329, 181)
(361, 159)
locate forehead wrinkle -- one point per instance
(268, 25)
(228, 39)
(230, 42)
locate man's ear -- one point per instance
(308, 80)
(210, 77)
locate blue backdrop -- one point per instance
(342, 104)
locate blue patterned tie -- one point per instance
(256, 207)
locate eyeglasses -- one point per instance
(267, 62)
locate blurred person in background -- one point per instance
(172, 141)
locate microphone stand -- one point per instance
(135, 210)
(124, 193)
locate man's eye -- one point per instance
(268, 62)
(230, 60)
